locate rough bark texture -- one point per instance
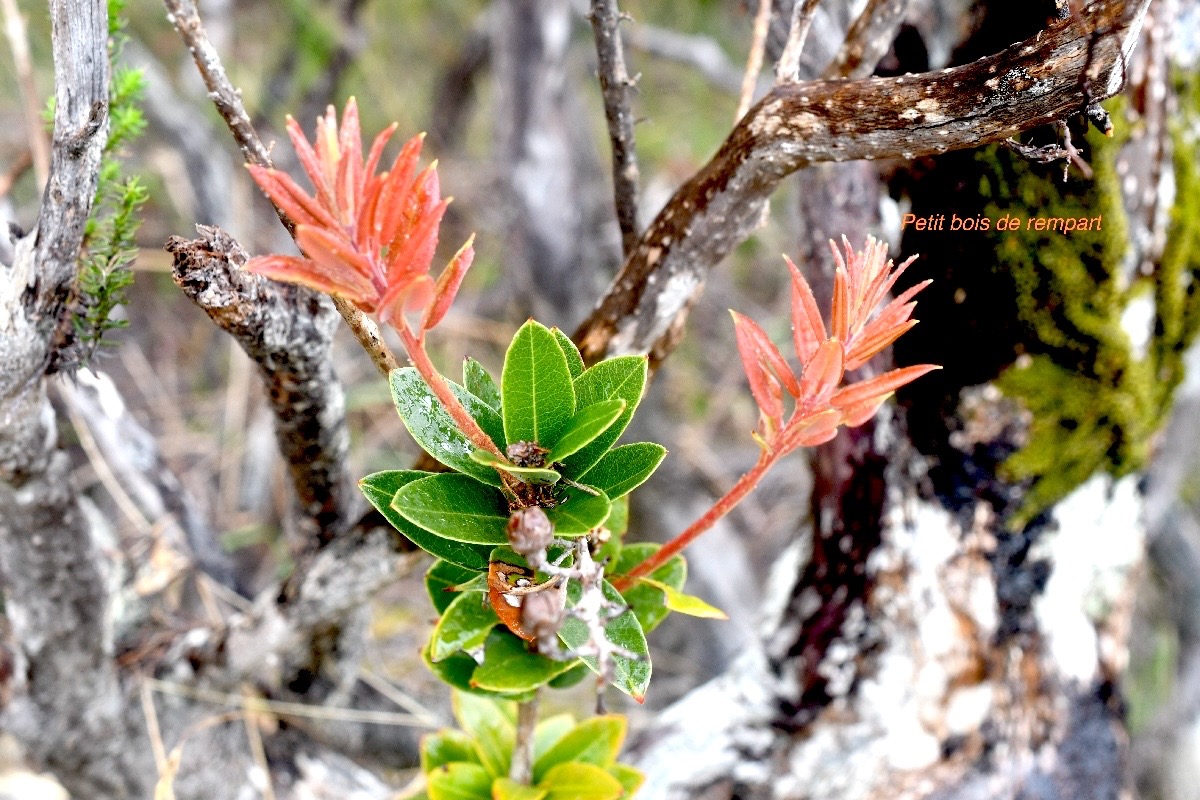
(616, 87)
(67, 710)
(287, 331)
(1026, 85)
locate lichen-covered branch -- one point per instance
(1028, 84)
(616, 87)
(67, 709)
(287, 331)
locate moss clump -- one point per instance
(1095, 402)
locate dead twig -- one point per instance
(868, 39)
(787, 69)
(758, 45)
(616, 87)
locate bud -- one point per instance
(542, 615)
(526, 454)
(530, 531)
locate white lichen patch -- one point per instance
(1099, 541)
(1137, 320)
(934, 606)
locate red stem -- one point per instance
(735, 495)
(437, 384)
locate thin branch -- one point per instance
(225, 96)
(616, 87)
(1026, 85)
(228, 100)
(758, 45)
(18, 41)
(868, 39)
(787, 69)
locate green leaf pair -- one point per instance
(571, 761)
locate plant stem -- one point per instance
(437, 384)
(368, 335)
(521, 769)
(735, 495)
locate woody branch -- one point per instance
(796, 124)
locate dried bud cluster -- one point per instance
(530, 532)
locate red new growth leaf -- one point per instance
(856, 334)
(365, 236)
(862, 281)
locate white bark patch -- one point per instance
(1137, 320)
(1099, 542)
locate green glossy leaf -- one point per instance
(456, 507)
(631, 779)
(538, 475)
(435, 431)
(574, 359)
(444, 579)
(446, 747)
(490, 727)
(623, 377)
(649, 604)
(459, 782)
(625, 468)
(578, 513)
(508, 789)
(571, 677)
(551, 729)
(381, 488)
(475, 583)
(508, 666)
(536, 388)
(630, 675)
(685, 603)
(584, 427)
(464, 625)
(575, 781)
(456, 672)
(481, 384)
(594, 741)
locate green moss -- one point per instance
(1095, 403)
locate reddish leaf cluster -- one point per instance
(366, 237)
(862, 281)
